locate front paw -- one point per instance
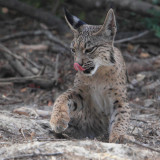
(59, 121)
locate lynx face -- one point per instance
(92, 45)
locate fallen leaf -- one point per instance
(23, 90)
(5, 10)
(144, 55)
(32, 135)
(140, 77)
(50, 103)
(130, 47)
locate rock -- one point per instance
(140, 77)
(148, 102)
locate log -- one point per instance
(136, 6)
(143, 65)
(35, 13)
(77, 149)
(32, 138)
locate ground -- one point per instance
(143, 64)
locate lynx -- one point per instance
(97, 102)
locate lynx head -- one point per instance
(92, 45)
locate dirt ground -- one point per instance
(143, 86)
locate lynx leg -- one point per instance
(64, 106)
(119, 121)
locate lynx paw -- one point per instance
(120, 138)
(59, 121)
(113, 138)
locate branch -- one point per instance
(35, 13)
(40, 81)
(48, 34)
(132, 38)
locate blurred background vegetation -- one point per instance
(127, 20)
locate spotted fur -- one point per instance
(97, 103)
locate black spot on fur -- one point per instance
(127, 76)
(75, 106)
(123, 112)
(80, 96)
(116, 114)
(112, 59)
(115, 107)
(116, 101)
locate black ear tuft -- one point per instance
(74, 21)
(68, 16)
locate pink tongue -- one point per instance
(77, 67)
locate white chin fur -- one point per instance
(93, 71)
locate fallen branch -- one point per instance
(48, 34)
(15, 61)
(34, 47)
(35, 13)
(34, 155)
(145, 146)
(32, 112)
(39, 81)
(143, 65)
(132, 38)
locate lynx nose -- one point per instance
(78, 67)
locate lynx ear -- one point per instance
(109, 27)
(73, 22)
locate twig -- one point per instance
(145, 146)
(41, 72)
(2, 47)
(56, 68)
(15, 61)
(141, 120)
(32, 63)
(132, 38)
(21, 131)
(34, 155)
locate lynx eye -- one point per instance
(90, 50)
(73, 50)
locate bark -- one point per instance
(35, 13)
